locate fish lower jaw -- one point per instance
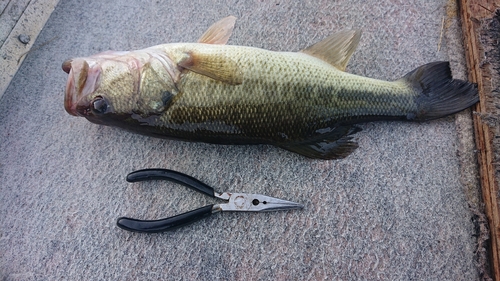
(70, 96)
(71, 110)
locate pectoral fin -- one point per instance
(219, 32)
(338, 144)
(336, 49)
(214, 65)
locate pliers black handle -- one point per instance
(174, 222)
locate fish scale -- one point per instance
(278, 104)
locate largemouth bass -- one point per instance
(212, 92)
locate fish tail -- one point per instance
(439, 94)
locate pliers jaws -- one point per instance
(245, 202)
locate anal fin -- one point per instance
(336, 145)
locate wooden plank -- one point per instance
(3, 5)
(12, 51)
(474, 13)
(10, 16)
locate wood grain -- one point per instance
(473, 14)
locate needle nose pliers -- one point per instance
(236, 202)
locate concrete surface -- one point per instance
(396, 209)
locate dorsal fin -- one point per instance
(219, 32)
(336, 49)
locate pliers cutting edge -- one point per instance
(236, 202)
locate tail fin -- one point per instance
(440, 94)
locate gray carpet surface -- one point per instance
(396, 209)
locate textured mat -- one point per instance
(396, 209)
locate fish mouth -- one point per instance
(82, 81)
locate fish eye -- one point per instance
(99, 105)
